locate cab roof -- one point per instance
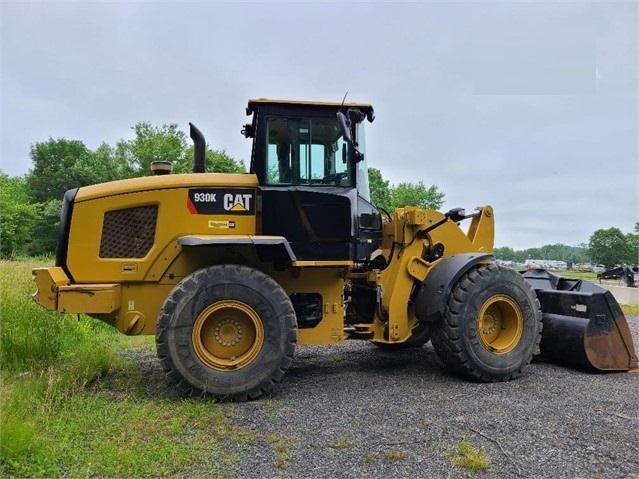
(255, 103)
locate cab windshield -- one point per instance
(306, 151)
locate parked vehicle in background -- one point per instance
(546, 264)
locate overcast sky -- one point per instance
(529, 107)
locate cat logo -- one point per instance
(221, 201)
(237, 202)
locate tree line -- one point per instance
(30, 205)
(608, 247)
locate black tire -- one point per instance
(419, 337)
(491, 326)
(226, 330)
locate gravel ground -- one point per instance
(355, 411)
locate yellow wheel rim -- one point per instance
(500, 324)
(227, 335)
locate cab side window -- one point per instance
(306, 152)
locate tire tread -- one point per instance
(447, 340)
(204, 276)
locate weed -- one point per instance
(343, 443)
(281, 447)
(630, 309)
(282, 463)
(369, 458)
(274, 407)
(470, 457)
(394, 455)
(273, 404)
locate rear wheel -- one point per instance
(491, 326)
(226, 330)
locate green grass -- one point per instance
(281, 447)
(585, 275)
(71, 406)
(369, 458)
(469, 457)
(395, 455)
(342, 443)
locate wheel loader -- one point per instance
(231, 272)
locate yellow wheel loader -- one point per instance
(232, 271)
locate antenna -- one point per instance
(343, 100)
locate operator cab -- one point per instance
(313, 177)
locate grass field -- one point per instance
(73, 407)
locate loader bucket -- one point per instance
(582, 324)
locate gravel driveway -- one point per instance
(355, 411)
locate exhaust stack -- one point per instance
(199, 146)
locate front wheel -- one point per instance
(226, 330)
(491, 326)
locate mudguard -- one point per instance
(432, 296)
(269, 248)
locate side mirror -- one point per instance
(343, 126)
(370, 116)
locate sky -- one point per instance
(530, 107)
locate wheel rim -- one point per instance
(227, 335)
(500, 324)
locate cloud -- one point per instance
(495, 103)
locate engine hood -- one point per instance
(149, 183)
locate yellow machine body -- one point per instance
(232, 271)
(128, 292)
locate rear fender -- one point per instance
(269, 248)
(434, 291)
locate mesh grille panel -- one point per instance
(128, 233)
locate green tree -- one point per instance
(45, 228)
(632, 239)
(411, 194)
(55, 168)
(17, 216)
(560, 252)
(380, 191)
(611, 247)
(217, 161)
(151, 143)
(578, 254)
(59, 165)
(106, 164)
(505, 253)
(167, 143)
(556, 252)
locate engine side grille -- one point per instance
(128, 233)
